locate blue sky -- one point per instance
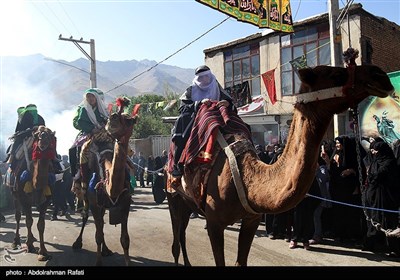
(125, 30)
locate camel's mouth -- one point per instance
(379, 84)
(111, 128)
(378, 91)
(113, 124)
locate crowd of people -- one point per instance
(342, 204)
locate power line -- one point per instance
(65, 12)
(50, 59)
(168, 57)
(58, 19)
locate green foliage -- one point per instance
(150, 116)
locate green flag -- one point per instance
(299, 62)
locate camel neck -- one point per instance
(115, 184)
(282, 185)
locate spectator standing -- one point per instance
(140, 170)
(382, 192)
(150, 170)
(345, 188)
(322, 177)
(68, 196)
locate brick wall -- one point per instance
(385, 41)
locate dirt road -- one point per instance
(151, 240)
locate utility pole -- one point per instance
(91, 57)
(336, 50)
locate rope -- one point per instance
(378, 226)
(353, 205)
(158, 171)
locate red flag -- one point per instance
(269, 82)
(135, 110)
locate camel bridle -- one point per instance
(43, 140)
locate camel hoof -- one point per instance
(106, 252)
(31, 249)
(43, 258)
(77, 245)
(15, 245)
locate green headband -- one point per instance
(94, 91)
(32, 109)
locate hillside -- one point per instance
(57, 87)
(68, 79)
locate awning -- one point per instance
(256, 104)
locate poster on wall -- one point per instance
(380, 117)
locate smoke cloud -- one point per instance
(16, 92)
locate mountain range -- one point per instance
(67, 80)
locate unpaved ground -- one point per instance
(151, 238)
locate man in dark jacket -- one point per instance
(205, 88)
(28, 118)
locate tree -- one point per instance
(151, 113)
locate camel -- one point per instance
(32, 186)
(113, 191)
(278, 187)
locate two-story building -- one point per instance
(245, 59)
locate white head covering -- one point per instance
(204, 89)
(101, 106)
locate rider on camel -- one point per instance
(28, 118)
(204, 89)
(90, 118)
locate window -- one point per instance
(367, 50)
(243, 64)
(312, 42)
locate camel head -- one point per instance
(44, 150)
(44, 137)
(120, 125)
(358, 82)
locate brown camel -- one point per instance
(113, 191)
(279, 187)
(33, 187)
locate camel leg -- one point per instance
(176, 249)
(105, 252)
(248, 229)
(125, 240)
(17, 239)
(125, 207)
(99, 235)
(179, 213)
(78, 242)
(27, 207)
(42, 254)
(176, 222)
(216, 235)
(183, 226)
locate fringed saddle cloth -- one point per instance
(201, 152)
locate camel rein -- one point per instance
(235, 172)
(105, 179)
